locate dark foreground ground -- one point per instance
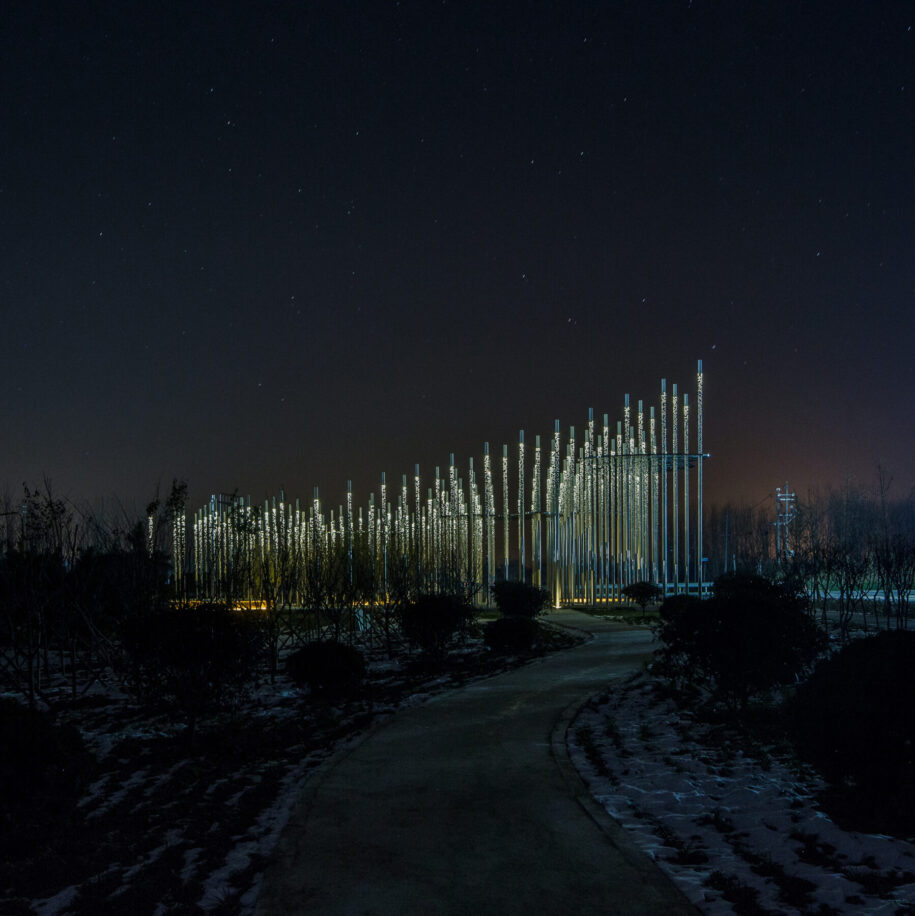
(171, 824)
(468, 805)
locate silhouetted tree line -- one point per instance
(82, 598)
(68, 584)
(847, 707)
(851, 551)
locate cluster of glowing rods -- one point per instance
(582, 517)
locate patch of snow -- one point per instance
(698, 809)
(117, 797)
(51, 906)
(190, 863)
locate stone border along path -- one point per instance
(468, 804)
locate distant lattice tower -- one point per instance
(785, 513)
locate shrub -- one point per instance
(751, 636)
(854, 720)
(518, 599)
(511, 634)
(673, 607)
(327, 667)
(643, 594)
(43, 768)
(432, 621)
(199, 658)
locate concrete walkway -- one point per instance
(468, 805)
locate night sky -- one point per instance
(264, 245)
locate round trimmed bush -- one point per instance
(854, 720)
(199, 658)
(327, 667)
(518, 599)
(751, 636)
(43, 769)
(432, 621)
(511, 634)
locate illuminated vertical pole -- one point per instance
(571, 521)
(627, 492)
(553, 484)
(349, 528)
(653, 433)
(437, 528)
(618, 480)
(505, 517)
(418, 526)
(460, 538)
(383, 532)
(632, 498)
(676, 500)
(686, 552)
(642, 489)
(404, 526)
(665, 465)
(700, 570)
(522, 528)
(428, 542)
(373, 543)
(536, 552)
(590, 531)
(581, 513)
(489, 510)
(605, 511)
(476, 528)
(196, 531)
(454, 520)
(471, 523)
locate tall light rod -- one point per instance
(505, 516)
(665, 458)
(676, 494)
(522, 528)
(686, 553)
(699, 555)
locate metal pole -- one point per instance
(522, 528)
(699, 545)
(665, 465)
(505, 516)
(686, 554)
(676, 501)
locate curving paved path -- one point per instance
(469, 805)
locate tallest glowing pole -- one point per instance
(489, 509)
(665, 458)
(686, 553)
(676, 495)
(699, 564)
(536, 550)
(522, 532)
(505, 518)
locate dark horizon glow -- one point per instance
(257, 248)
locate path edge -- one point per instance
(649, 870)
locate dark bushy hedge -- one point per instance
(198, 658)
(432, 621)
(327, 667)
(518, 599)
(43, 769)
(751, 636)
(643, 593)
(854, 720)
(511, 634)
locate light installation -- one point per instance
(589, 518)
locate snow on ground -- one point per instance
(163, 829)
(736, 833)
